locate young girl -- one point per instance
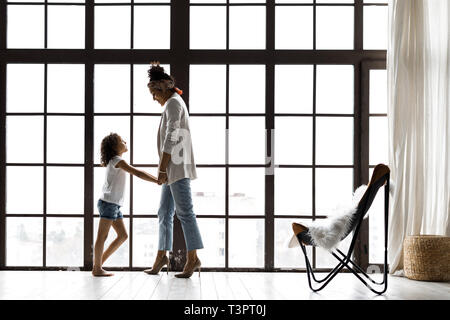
(111, 198)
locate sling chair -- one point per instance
(345, 224)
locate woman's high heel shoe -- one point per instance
(164, 261)
(189, 273)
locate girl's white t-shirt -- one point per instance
(114, 187)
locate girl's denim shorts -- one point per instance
(108, 210)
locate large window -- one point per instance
(278, 94)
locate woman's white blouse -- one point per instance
(174, 137)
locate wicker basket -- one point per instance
(427, 257)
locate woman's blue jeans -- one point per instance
(178, 195)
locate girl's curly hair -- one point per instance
(108, 148)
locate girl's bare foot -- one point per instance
(101, 273)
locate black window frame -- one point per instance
(180, 57)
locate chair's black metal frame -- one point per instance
(345, 259)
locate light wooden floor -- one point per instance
(210, 286)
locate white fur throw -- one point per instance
(327, 233)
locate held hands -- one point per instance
(162, 177)
(162, 168)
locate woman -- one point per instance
(176, 169)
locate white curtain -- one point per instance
(419, 121)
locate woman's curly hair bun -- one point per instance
(156, 72)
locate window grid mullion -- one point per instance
(227, 26)
(89, 138)
(358, 25)
(227, 171)
(314, 151)
(44, 225)
(45, 24)
(2, 150)
(132, 25)
(314, 129)
(130, 232)
(314, 24)
(269, 220)
(3, 9)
